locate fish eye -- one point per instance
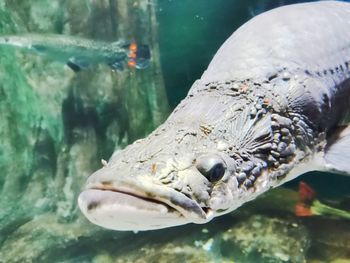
(212, 167)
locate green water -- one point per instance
(186, 49)
(191, 31)
(56, 126)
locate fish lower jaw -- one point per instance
(124, 212)
(127, 211)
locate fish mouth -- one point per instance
(128, 207)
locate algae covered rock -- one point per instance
(168, 253)
(266, 239)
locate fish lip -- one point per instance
(134, 195)
(192, 211)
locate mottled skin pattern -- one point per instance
(261, 113)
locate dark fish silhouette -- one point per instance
(80, 53)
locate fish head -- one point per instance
(162, 190)
(183, 172)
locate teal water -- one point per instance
(191, 32)
(56, 126)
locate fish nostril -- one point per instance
(205, 209)
(92, 205)
(208, 211)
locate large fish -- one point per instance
(81, 53)
(270, 107)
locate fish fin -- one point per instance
(307, 196)
(337, 151)
(117, 65)
(306, 192)
(303, 210)
(143, 56)
(77, 64)
(76, 68)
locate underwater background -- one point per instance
(56, 126)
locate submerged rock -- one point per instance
(266, 239)
(330, 239)
(168, 253)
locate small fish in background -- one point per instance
(138, 56)
(82, 54)
(309, 205)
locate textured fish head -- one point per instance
(163, 190)
(184, 172)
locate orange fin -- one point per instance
(306, 193)
(306, 197)
(302, 209)
(133, 47)
(132, 63)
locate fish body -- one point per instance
(271, 106)
(80, 53)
